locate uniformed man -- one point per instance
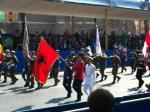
(133, 60)
(32, 58)
(54, 72)
(141, 69)
(6, 63)
(102, 64)
(13, 66)
(115, 66)
(68, 76)
(25, 74)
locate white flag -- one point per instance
(88, 50)
(98, 45)
(25, 40)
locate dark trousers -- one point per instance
(102, 69)
(139, 77)
(133, 65)
(67, 85)
(114, 72)
(123, 67)
(12, 73)
(26, 77)
(77, 87)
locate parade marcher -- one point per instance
(32, 58)
(148, 63)
(78, 69)
(115, 66)
(13, 66)
(133, 60)
(6, 64)
(68, 76)
(102, 65)
(25, 73)
(123, 60)
(89, 76)
(141, 69)
(54, 72)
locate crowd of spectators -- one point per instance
(67, 41)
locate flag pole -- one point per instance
(63, 60)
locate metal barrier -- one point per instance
(132, 103)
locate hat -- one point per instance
(12, 51)
(7, 50)
(89, 58)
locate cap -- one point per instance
(12, 51)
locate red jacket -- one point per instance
(79, 70)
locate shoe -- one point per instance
(15, 80)
(30, 87)
(78, 100)
(12, 83)
(113, 83)
(97, 75)
(56, 82)
(147, 86)
(118, 79)
(105, 77)
(26, 85)
(4, 81)
(68, 96)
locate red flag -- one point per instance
(146, 44)
(45, 58)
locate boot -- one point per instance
(78, 98)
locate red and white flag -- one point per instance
(98, 45)
(146, 44)
(25, 46)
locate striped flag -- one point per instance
(146, 44)
(25, 40)
(98, 45)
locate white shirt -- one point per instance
(90, 74)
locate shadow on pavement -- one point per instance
(132, 89)
(68, 102)
(55, 100)
(23, 108)
(3, 84)
(26, 91)
(108, 84)
(17, 89)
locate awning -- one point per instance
(78, 9)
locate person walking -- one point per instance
(68, 76)
(133, 60)
(78, 69)
(141, 69)
(89, 76)
(115, 66)
(102, 64)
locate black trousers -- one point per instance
(67, 84)
(139, 74)
(77, 87)
(102, 69)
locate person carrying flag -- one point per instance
(78, 69)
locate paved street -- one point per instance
(17, 98)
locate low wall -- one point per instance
(63, 54)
